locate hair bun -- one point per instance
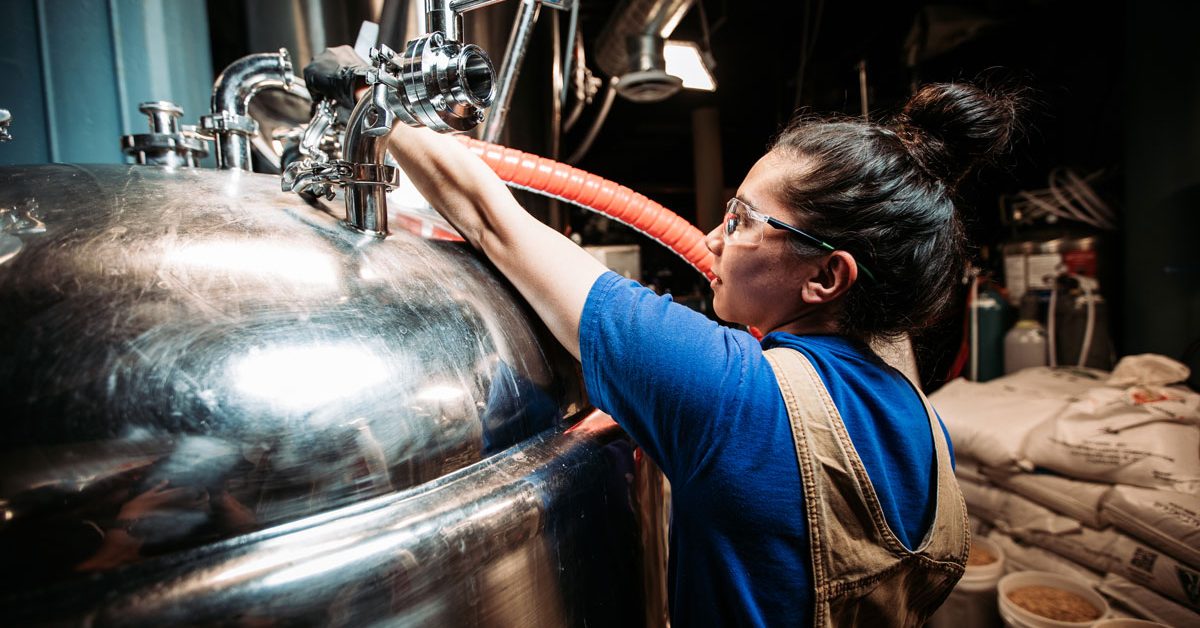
(953, 127)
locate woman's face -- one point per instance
(760, 285)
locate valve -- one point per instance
(439, 83)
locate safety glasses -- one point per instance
(745, 226)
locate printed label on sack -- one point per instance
(1143, 559)
(1109, 454)
(1178, 511)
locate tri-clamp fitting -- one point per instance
(167, 144)
(438, 83)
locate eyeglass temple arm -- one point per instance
(778, 224)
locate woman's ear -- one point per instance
(835, 274)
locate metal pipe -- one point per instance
(862, 90)
(514, 55)
(440, 16)
(581, 95)
(610, 94)
(462, 6)
(707, 166)
(572, 33)
(558, 88)
(230, 123)
(366, 192)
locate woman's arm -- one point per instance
(550, 271)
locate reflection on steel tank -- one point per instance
(222, 405)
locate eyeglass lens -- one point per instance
(738, 226)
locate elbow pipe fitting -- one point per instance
(569, 184)
(437, 83)
(244, 78)
(230, 124)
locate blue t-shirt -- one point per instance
(703, 402)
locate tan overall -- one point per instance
(862, 574)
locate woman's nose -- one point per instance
(714, 240)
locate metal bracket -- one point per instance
(313, 140)
(228, 122)
(318, 179)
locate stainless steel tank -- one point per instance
(220, 405)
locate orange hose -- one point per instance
(617, 202)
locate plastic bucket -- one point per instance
(973, 600)
(1018, 617)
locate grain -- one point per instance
(1053, 603)
(980, 556)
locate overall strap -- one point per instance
(950, 535)
(851, 544)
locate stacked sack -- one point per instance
(1090, 474)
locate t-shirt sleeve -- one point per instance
(669, 375)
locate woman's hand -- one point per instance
(549, 270)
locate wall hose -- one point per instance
(566, 183)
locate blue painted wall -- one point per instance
(74, 72)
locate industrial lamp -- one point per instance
(685, 60)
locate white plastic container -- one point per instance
(1126, 622)
(1017, 617)
(973, 601)
(1025, 346)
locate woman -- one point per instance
(811, 483)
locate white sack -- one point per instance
(978, 526)
(1068, 383)
(1148, 369)
(989, 423)
(1167, 521)
(1105, 437)
(1012, 513)
(1076, 499)
(1023, 557)
(1147, 603)
(969, 470)
(1109, 551)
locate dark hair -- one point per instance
(886, 193)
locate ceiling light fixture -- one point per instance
(684, 60)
